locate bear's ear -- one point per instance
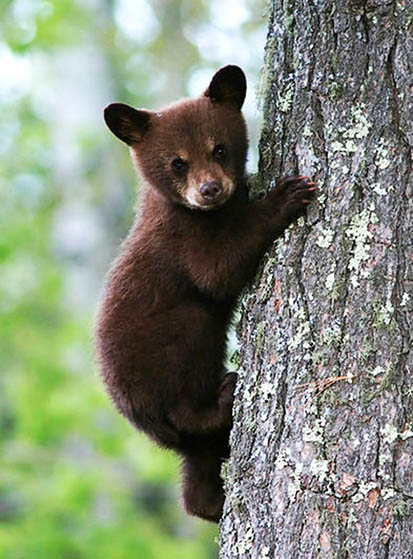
(228, 87)
(127, 123)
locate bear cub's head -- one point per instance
(194, 151)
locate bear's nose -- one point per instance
(210, 190)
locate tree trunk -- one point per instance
(322, 445)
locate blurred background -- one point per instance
(75, 480)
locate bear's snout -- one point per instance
(211, 190)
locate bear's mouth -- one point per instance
(197, 203)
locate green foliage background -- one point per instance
(75, 480)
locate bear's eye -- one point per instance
(219, 152)
(179, 165)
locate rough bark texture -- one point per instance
(322, 445)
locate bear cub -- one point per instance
(169, 296)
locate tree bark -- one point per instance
(322, 445)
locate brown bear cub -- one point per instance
(169, 297)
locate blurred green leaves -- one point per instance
(76, 481)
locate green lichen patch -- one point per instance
(359, 232)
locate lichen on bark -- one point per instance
(322, 445)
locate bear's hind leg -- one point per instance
(203, 492)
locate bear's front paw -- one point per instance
(293, 193)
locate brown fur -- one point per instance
(169, 296)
